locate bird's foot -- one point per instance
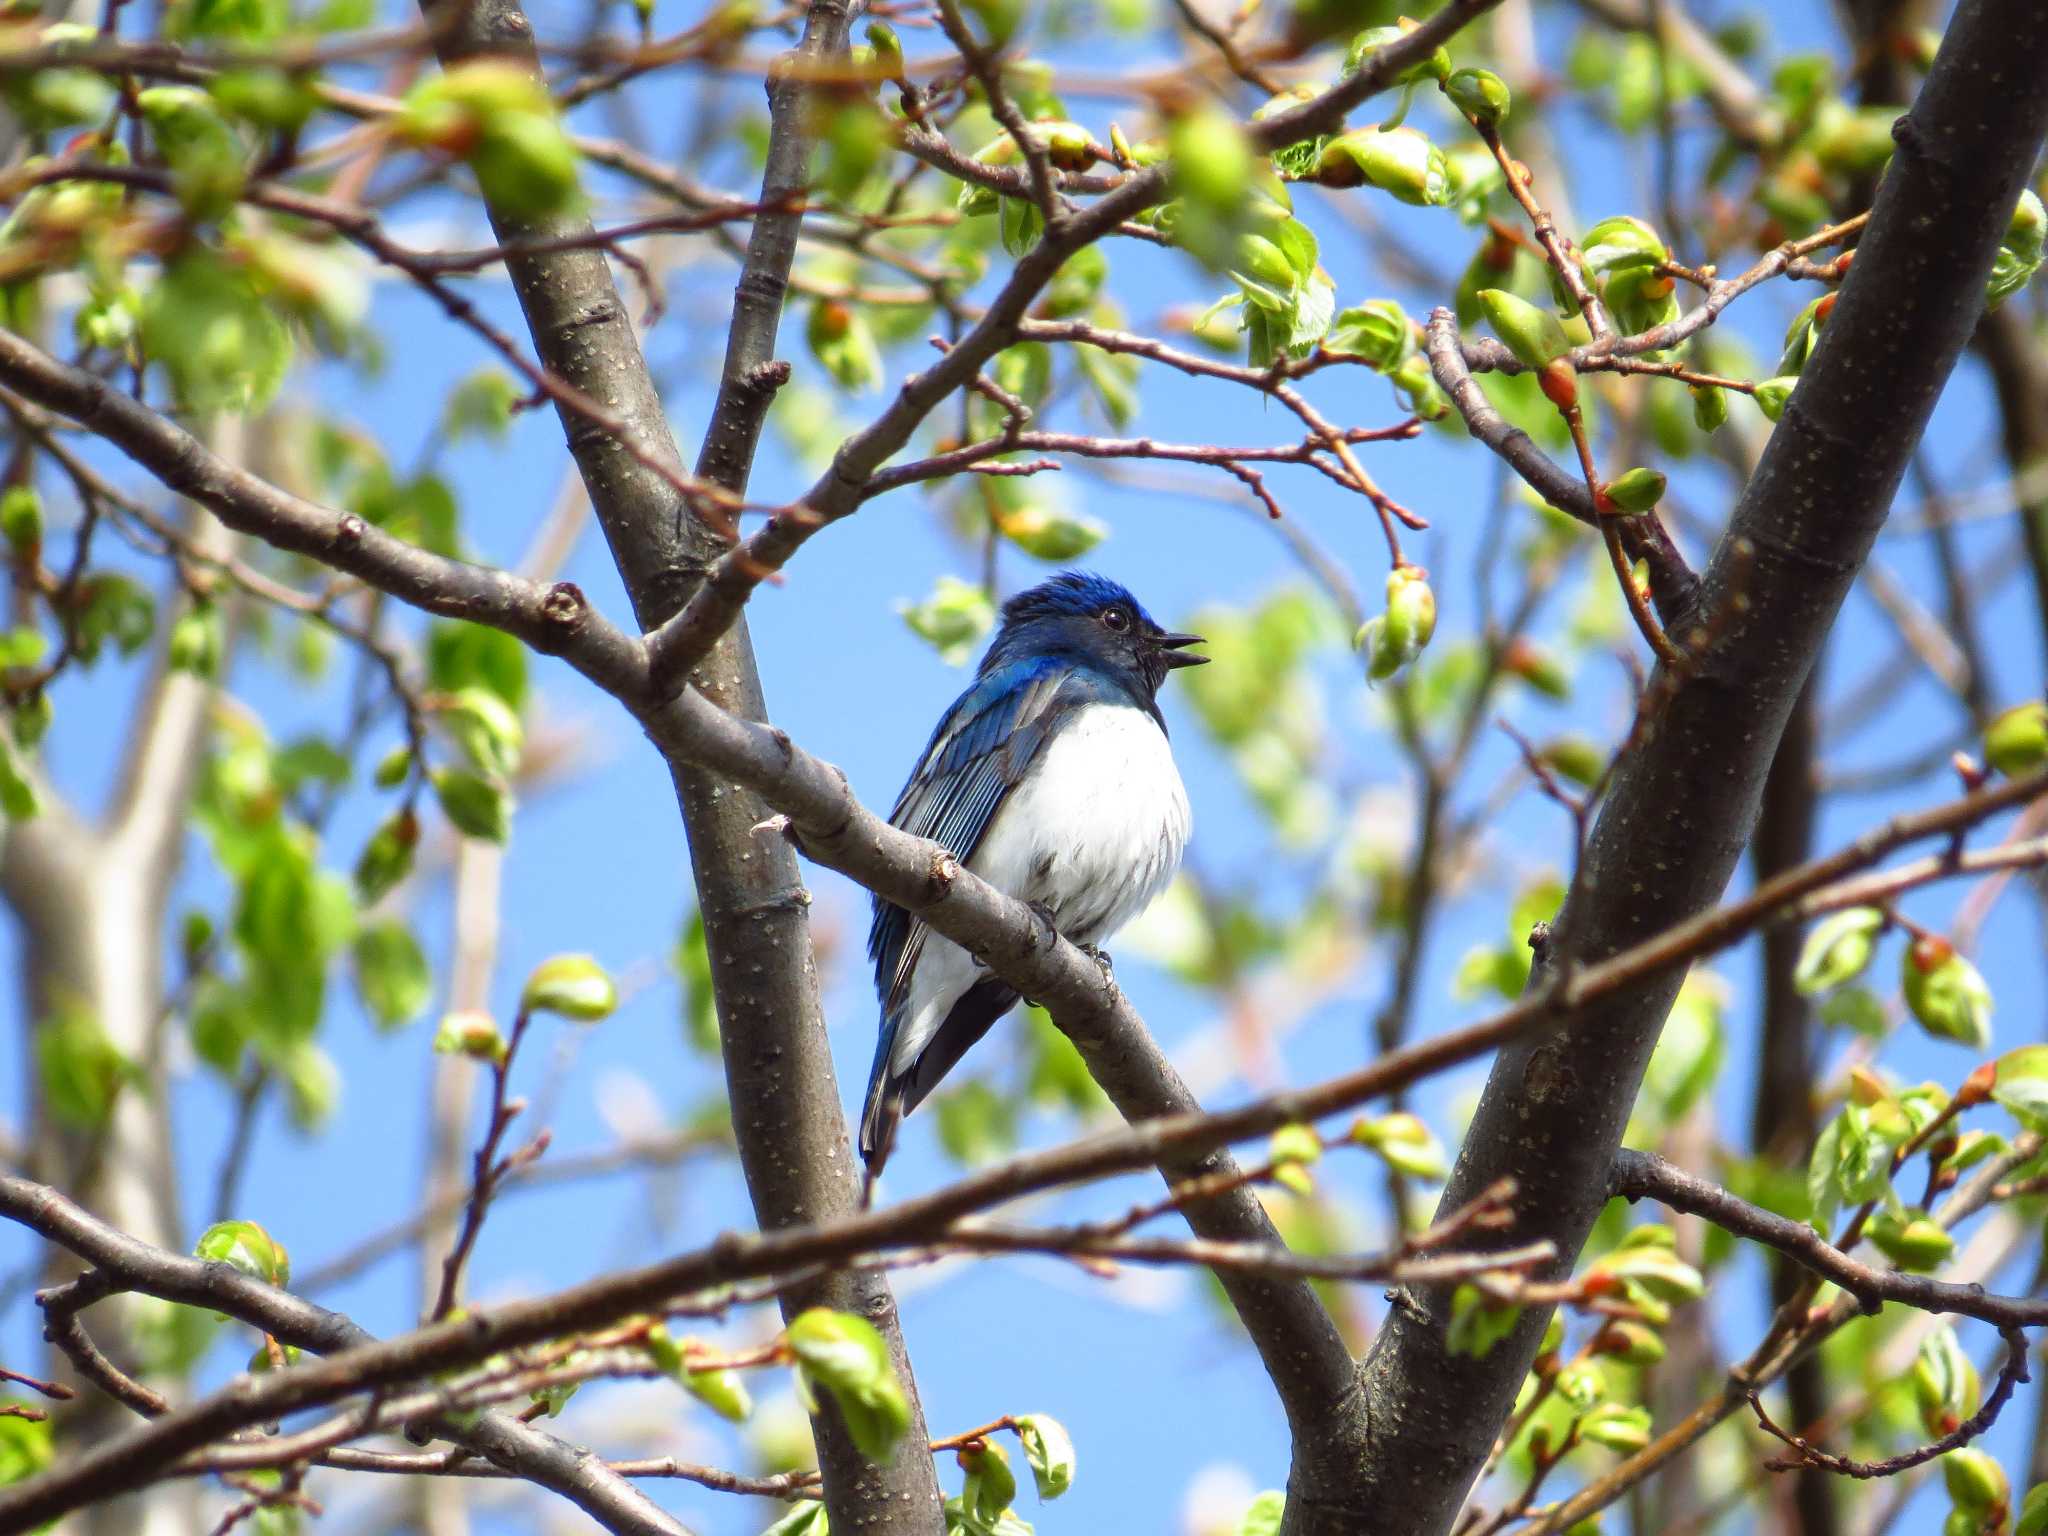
(1101, 958)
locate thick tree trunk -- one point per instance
(1684, 803)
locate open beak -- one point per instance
(1173, 654)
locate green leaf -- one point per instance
(461, 655)
(1658, 1270)
(481, 405)
(485, 727)
(700, 998)
(805, 1519)
(2021, 1085)
(953, 619)
(2034, 1512)
(1049, 1451)
(1476, 1324)
(1264, 1516)
(247, 1247)
(21, 517)
(1378, 331)
(846, 1356)
(1113, 376)
(719, 1388)
(221, 341)
(387, 857)
(1047, 534)
(1838, 949)
(477, 807)
(392, 975)
(841, 339)
(82, 1072)
(115, 608)
(205, 154)
(18, 798)
(571, 987)
(976, 1124)
(25, 1446)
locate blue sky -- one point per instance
(597, 862)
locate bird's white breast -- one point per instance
(1097, 828)
(1094, 833)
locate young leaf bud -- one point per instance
(2016, 743)
(1532, 334)
(1480, 94)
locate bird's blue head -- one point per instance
(1091, 619)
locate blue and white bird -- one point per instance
(1052, 779)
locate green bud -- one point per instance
(1946, 994)
(1480, 94)
(991, 1487)
(1405, 1142)
(1378, 332)
(1640, 299)
(1291, 1150)
(1538, 668)
(470, 1032)
(1636, 490)
(2016, 743)
(1946, 1387)
(526, 165)
(888, 50)
(21, 518)
(1399, 161)
(1617, 1426)
(1709, 407)
(1532, 334)
(1417, 388)
(1047, 534)
(1631, 1342)
(1771, 395)
(1435, 67)
(1621, 244)
(1911, 1241)
(1975, 1482)
(1576, 757)
(476, 806)
(571, 986)
(195, 643)
(387, 857)
(2033, 1512)
(1261, 260)
(1212, 161)
(1838, 949)
(1398, 637)
(1854, 141)
(393, 768)
(31, 717)
(718, 1388)
(248, 1248)
(1411, 607)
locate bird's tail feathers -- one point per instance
(882, 1114)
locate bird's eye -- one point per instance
(1116, 618)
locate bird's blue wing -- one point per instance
(980, 751)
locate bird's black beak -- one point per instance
(1172, 653)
